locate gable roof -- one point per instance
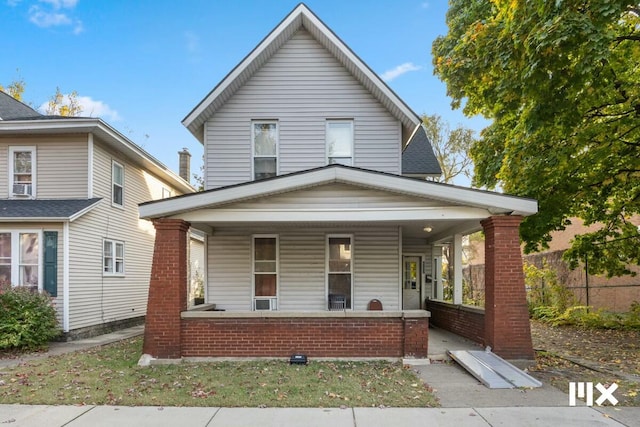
(496, 203)
(418, 158)
(113, 138)
(12, 109)
(45, 209)
(300, 17)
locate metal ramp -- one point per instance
(492, 370)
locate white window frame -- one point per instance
(274, 300)
(255, 156)
(114, 251)
(12, 151)
(328, 271)
(15, 255)
(166, 193)
(326, 144)
(115, 163)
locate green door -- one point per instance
(51, 262)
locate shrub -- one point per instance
(27, 318)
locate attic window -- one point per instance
(339, 135)
(264, 137)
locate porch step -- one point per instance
(492, 370)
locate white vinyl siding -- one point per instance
(338, 196)
(61, 165)
(95, 298)
(302, 85)
(302, 267)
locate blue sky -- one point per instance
(143, 65)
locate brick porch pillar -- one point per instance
(167, 289)
(506, 321)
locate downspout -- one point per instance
(65, 277)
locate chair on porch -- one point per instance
(337, 302)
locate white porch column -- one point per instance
(436, 274)
(456, 249)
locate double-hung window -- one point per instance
(112, 257)
(22, 176)
(265, 272)
(264, 137)
(340, 271)
(339, 136)
(20, 258)
(117, 180)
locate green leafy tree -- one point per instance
(451, 147)
(561, 82)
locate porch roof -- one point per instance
(437, 202)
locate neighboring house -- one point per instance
(598, 291)
(69, 220)
(317, 213)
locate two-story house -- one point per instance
(320, 226)
(69, 220)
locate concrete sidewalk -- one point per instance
(123, 416)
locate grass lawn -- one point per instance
(109, 375)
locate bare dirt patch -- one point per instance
(568, 353)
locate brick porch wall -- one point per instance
(462, 320)
(314, 336)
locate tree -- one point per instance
(15, 89)
(64, 105)
(451, 147)
(561, 82)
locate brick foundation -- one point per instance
(461, 320)
(318, 336)
(506, 326)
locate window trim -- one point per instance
(166, 193)
(327, 271)
(15, 249)
(19, 148)
(114, 243)
(253, 147)
(253, 270)
(115, 163)
(326, 139)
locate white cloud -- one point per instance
(47, 19)
(90, 108)
(401, 69)
(51, 14)
(425, 5)
(60, 4)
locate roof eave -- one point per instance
(495, 203)
(107, 133)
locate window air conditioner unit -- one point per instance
(268, 304)
(22, 189)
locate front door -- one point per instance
(411, 283)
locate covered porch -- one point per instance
(304, 262)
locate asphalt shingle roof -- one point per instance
(12, 109)
(418, 157)
(44, 208)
